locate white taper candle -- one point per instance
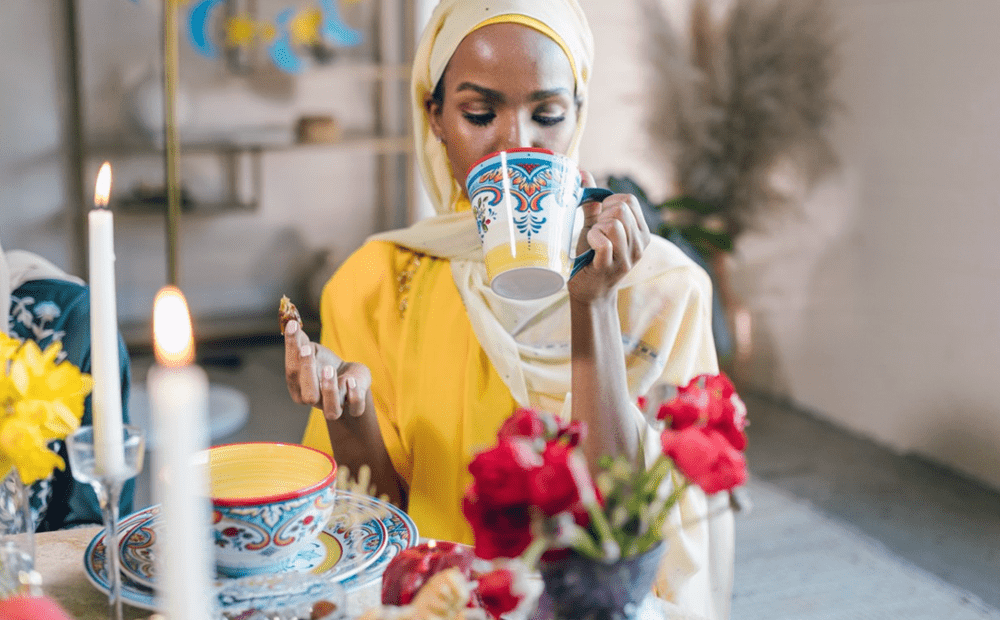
(106, 400)
(178, 391)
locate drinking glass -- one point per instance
(108, 487)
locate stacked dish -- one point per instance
(360, 535)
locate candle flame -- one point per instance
(173, 339)
(103, 189)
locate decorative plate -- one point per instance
(402, 535)
(400, 529)
(352, 540)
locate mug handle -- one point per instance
(596, 194)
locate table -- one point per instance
(59, 559)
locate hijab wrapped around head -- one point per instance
(666, 322)
(561, 20)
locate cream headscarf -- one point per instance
(18, 267)
(666, 321)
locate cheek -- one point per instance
(565, 133)
(466, 144)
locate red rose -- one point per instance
(523, 423)
(501, 474)
(729, 417)
(708, 401)
(686, 409)
(552, 486)
(499, 532)
(497, 592)
(706, 458)
(718, 385)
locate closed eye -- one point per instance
(480, 120)
(548, 121)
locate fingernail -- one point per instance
(328, 372)
(306, 350)
(292, 327)
(352, 382)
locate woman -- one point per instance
(46, 304)
(420, 362)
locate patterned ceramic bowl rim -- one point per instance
(522, 149)
(279, 497)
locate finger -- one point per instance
(308, 374)
(332, 408)
(294, 339)
(640, 219)
(354, 399)
(602, 246)
(640, 240)
(358, 383)
(615, 244)
(624, 208)
(587, 179)
(591, 212)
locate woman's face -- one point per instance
(506, 86)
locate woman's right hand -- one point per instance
(317, 377)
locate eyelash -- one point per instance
(482, 120)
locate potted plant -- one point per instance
(741, 107)
(597, 541)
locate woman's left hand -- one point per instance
(617, 232)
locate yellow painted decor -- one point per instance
(534, 254)
(245, 471)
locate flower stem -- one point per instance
(655, 475)
(533, 553)
(584, 544)
(599, 521)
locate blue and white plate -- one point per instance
(400, 533)
(352, 540)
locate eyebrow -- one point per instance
(496, 96)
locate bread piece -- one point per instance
(288, 312)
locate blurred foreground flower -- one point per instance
(40, 401)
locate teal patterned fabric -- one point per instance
(56, 310)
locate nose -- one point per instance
(516, 133)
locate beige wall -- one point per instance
(879, 309)
(876, 309)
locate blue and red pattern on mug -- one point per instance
(525, 203)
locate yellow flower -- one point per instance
(23, 445)
(40, 400)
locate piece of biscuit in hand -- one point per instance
(288, 312)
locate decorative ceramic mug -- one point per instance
(525, 203)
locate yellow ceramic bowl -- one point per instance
(268, 500)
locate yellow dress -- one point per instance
(439, 399)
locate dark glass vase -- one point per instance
(579, 588)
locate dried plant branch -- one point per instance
(742, 95)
